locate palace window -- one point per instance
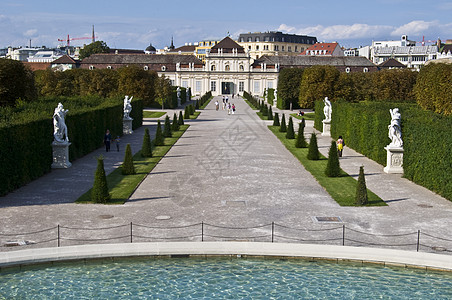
(289, 48)
(241, 86)
(257, 87)
(212, 68)
(227, 68)
(184, 83)
(270, 84)
(282, 48)
(276, 48)
(257, 47)
(257, 39)
(250, 39)
(213, 86)
(241, 68)
(198, 86)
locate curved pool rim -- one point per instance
(389, 257)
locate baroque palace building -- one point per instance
(228, 68)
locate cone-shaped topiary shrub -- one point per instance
(276, 120)
(159, 138)
(265, 110)
(300, 141)
(197, 104)
(187, 112)
(146, 148)
(167, 127)
(313, 150)
(333, 168)
(290, 134)
(175, 125)
(127, 166)
(270, 113)
(283, 126)
(192, 109)
(181, 119)
(361, 189)
(99, 192)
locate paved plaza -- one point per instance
(228, 170)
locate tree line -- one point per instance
(430, 87)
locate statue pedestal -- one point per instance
(394, 160)
(178, 101)
(326, 128)
(61, 155)
(127, 126)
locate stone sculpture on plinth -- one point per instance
(327, 110)
(394, 157)
(178, 96)
(127, 120)
(60, 144)
(275, 99)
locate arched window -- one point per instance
(365, 70)
(109, 67)
(227, 68)
(241, 68)
(163, 68)
(91, 67)
(212, 68)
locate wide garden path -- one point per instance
(231, 171)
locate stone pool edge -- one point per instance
(390, 257)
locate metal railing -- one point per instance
(273, 233)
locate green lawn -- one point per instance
(251, 105)
(342, 189)
(153, 114)
(307, 116)
(122, 186)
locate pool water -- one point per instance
(222, 278)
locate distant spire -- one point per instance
(172, 44)
(93, 37)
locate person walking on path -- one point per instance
(340, 145)
(229, 108)
(233, 108)
(107, 140)
(217, 105)
(117, 141)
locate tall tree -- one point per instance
(96, 47)
(289, 80)
(317, 83)
(16, 81)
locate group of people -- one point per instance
(108, 140)
(226, 105)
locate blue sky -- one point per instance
(135, 24)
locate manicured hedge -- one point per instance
(26, 150)
(426, 136)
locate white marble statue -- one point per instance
(127, 107)
(395, 129)
(275, 94)
(327, 109)
(178, 93)
(59, 125)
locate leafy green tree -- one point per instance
(290, 134)
(433, 88)
(395, 85)
(136, 82)
(300, 141)
(333, 168)
(181, 119)
(96, 47)
(313, 149)
(159, 138)
(289, 80)
(317, 83)
(167, 127)
(283, 127)
(99, 192)
(146, 148)
(163, 90)
(276, 120)
(127, 166)
(46, 81)
(361, 189)
(16, 82)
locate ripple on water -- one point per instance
(223, 278)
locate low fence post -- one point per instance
(273, 231)
(58, 230)
(202, 231)
(131, 232)
(343, 235)
(418, 238)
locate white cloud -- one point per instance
(30, 32)
(338, 32)
(414, 28)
